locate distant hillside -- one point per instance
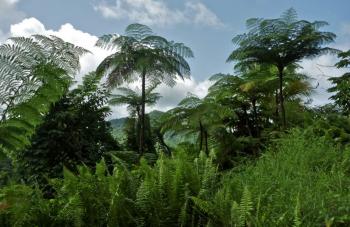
(171, 140)
(118, 123)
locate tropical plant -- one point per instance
(142, 54)
(302, 180)
(133, 99)
(146, 196)
(345, 59)
(34, 72)
(341, 85)
(281, 42)
(194, 115)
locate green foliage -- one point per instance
(132, 128)
(334, 127)
(341, 85)
(133, 99)
(143, 55)
(208, 178)
(22, 118)
(132, 135)
(144, 196)
(141, 49)
(281, 42)
(73, 132)
(300, 181)
(345, 59)
(34, 73)
(195, 116)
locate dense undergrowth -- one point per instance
(302, 180)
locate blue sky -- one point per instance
(207, 26)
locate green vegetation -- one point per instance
(249, 153)
(299, 181)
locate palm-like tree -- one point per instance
(238, 94)
(142, 54)
(253, 92)
(195, 115)
(133, 99)
(281, 42)
(34, 73)
(19, 59)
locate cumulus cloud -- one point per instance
(27, 27)
(170, 96)
(157, 12)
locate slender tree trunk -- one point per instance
(277, 105)
(162, 142)
(138, 128)
(281, 98)
(247, 121)
(142, 123)
(255, 113)
(200, 136)
(206, 142)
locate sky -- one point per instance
(207, 26)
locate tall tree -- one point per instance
(281, 42)
(194, 116)
(142, 54)
(133, 100)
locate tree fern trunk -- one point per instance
(206, 142)
(200, 136)
(277, 105)
(281, 98)
(255, 112)
(246, 118)
(142, 132)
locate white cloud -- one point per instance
(27, 27)
(202, 15)
(11, 2)
(157, 12)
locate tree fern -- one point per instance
(144, 55)
(34, 72)
(23, 117)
